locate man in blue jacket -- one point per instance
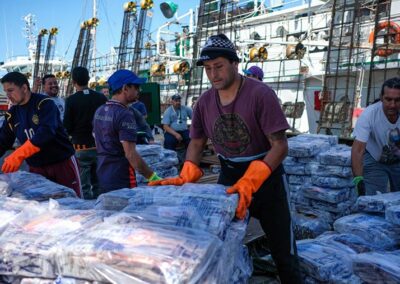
(34, 119)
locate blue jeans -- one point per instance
(170, 142)
(87, 166)
(377, 176)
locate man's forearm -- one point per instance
(357, 164)
(140, 165)
(357, 155)
(169, 129)
(278, 151)
(194, 152)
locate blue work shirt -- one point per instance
(113, 123)
(177, 119)
(37, 120)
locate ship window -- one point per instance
(255, 36)
(281, 32)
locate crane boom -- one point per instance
(39, 47)
(128, 25)
(146, 6)
(51, 43)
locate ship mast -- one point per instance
(93, 30)
(29, 33)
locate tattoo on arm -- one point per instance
(280, 135)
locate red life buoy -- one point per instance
(393, 30)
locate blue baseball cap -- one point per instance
(122, 77)
(255, 71)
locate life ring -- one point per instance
(394, 32)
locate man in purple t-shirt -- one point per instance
(114, 128)
(243, 119)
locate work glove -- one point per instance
(154, 177)
(257, 172)
(190, 173)
(14, 160)
(360, 186)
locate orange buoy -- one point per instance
(393, 31)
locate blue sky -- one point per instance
(67, 15)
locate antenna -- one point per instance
(30, 33)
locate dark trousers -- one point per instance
(270, 206)
(88, 164)
(170, 142)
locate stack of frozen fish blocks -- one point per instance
(364, 247)
(163, 161)
(202, 208)
(164, 234)
(320, 182)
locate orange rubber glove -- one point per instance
(14, 160)
(257, 172)
(190, 173)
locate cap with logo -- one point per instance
(123, 77)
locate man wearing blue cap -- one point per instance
(114, 128)
(254, 72)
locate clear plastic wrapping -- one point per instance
(5, 188)
(339, 155)
(326, 194)
(169, 153)
(29, 244)
(331, 139)
(309, 226)
(139, 252)
(69, 203)
(354, 242)
(377, 203)
(209, 205)
(150, 150)
(378, 267)
(380, 233)
(10, 209)
(332, 182)
(306, 147)
(341, 208)
(322, 261)
(318, 169)
(295, 168)
(165, 163)
(114, 200)
(392, 214)
(36, 187)
(234, 264)
(301, 180)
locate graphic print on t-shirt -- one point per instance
(391, 151)
(231, 133)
